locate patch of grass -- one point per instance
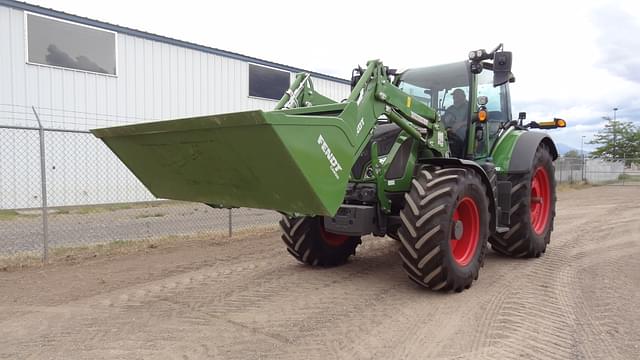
(153, 215)
(574, 186)
(8, 215)
(629, 177)
(94, 209)
(78, 254)
(90, 210)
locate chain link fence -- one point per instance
(598, 171)
(62, 187)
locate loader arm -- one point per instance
(295, 159)
(375, 96)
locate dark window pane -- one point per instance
(58, 43)
(267, 83)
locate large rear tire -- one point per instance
(310, 243)
(445, 225)
(533, 210)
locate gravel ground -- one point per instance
(246, 298)
(86, 226)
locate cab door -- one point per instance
(498, 108)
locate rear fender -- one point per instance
(514, 153)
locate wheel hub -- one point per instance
(458, 229)
(465, 231)
(540, 203)
(332, 239)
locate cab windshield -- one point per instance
(446, 89)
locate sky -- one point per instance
(575, 60)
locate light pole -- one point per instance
(584, 173)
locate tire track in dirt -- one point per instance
(506, 306)
(81, 314)
(545, 315)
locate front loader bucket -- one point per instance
(270, 160)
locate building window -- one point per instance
(64, 44)
(267, 83)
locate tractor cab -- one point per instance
(459, 91)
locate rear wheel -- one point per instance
(445, 225)
(309, 242)
(533, 199)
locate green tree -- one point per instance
(617, 140)
(572, 154)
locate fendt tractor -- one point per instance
(430, 157)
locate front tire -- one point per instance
(533, 210)
(310, 243)
(445, 225)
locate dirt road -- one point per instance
(248, 299)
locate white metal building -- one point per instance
(55, 60)
(80, 74)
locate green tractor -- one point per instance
(429, 156)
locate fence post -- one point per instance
(561, 171)
(230, 222)
(624, 166)
(43, 183)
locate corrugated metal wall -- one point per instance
(155, 81)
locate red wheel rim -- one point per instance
(331, 238)
(464, 248)
(540, 200)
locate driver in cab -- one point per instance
(455, 118)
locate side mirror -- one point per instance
(501, 68)
(522, 115)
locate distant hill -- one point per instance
(563, 149)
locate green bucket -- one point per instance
(289, 161)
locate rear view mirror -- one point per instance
(501, 68)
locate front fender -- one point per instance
(489, 182)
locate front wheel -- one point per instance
(533, 199)
(309, 242)
(445, 225)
